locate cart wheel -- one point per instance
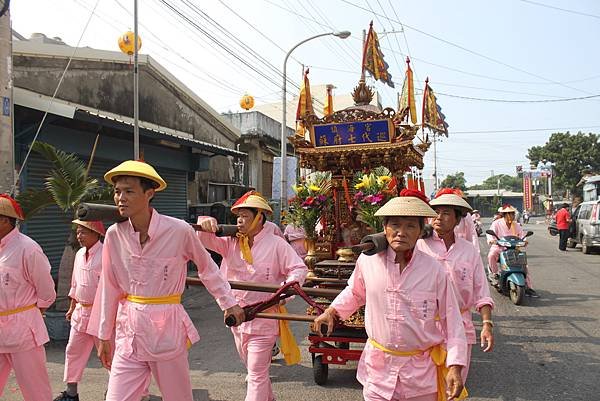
(342, 345)
(320, 370)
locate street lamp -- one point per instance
(283, 187)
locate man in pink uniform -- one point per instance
(405, 292)
(464, 265)
(144, 266)
(26, 288)
(255, 255)
(504, 226)
(466, 226)
(84, 282)
(296, 237)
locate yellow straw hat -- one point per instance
(94, 225)
(137, 169)
(253, 200)
(506, 209)
(451, 200)
(10, 207)
(409, 203)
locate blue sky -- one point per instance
(510, 50)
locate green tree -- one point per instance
(456, 180)
(571, 154)
(507, 182)
(66, 186)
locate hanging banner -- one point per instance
(527, 196)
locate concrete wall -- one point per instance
(108, 86)
(255, 121)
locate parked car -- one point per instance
(585, 228)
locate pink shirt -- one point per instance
(464, 264)
(400, 314)
(152, 332)
(274, 262)
(502, 230)
(24, 280)
(296, 236)
(466, 229)
(273, 228)
(84, 283)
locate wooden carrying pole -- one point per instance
(260, 287)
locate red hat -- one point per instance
(10, 207)
(94, 225)
(414, 193)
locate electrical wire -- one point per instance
(475, 52)
(568, 99)
(561, 9)
(51, 101)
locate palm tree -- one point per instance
(66, 186)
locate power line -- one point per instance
(475, 52)
(568, 99)
(561, 9)
(499, 131)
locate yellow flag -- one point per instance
(328, 107)
(406, 103)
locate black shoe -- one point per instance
(530, 292)
(66, 397)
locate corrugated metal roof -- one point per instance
(37, 101)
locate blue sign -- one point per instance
(5, 106)
(355, 133)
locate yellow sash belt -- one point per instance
(17, 310)
(85, 305)
(164, 300)
(289, 347)
(437, 353)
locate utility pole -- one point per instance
(435, 184)
(7, 148)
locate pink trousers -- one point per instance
(371, 396)
(255, 351)
(30, 371)
(129, 378)
(493, 256)
(77, 354)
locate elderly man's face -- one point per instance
(402, 232)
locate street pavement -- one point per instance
(547, 349)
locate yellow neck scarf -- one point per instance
(245, 240)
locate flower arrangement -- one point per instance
(312, 200)
(373, 191)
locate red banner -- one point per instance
(527, 198)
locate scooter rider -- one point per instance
(506, 226)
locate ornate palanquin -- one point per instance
(333, 146)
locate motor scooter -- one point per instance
(512, 267)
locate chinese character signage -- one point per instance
(355, 133)
(527, 196)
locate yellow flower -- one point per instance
(367, 180)
(359, 185)
(384, 179)
(297, 188)
(314, 188)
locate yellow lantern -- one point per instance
(126, 43)
(247, 102)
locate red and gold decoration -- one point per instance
(373, 61)
(311, 203)
(432, 115)
(305, 105)
(406, 101)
